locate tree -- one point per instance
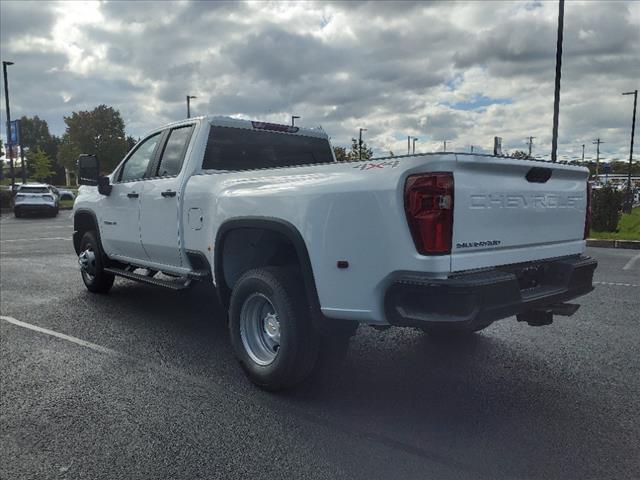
(99, 132)
(67, 157)
(34, 134)
(354, 154)
(341, 154)
(520, 154)
(41, 165)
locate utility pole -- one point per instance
(414, 144)
(583, 153)
(360, 143)
(471, 148)
(530, 144)
(293, 120)
(408, 144)
(629, 201)
(556, 99)
(189, 97)
(597, 142)
(24, 168)
(445, 145)
(6, 100)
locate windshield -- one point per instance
(34, 190)
(243, 149)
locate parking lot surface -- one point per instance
(142, 383)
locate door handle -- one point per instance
(132, 195)
(168, 193)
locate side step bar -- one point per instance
(180, 283)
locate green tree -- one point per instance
(341, 154)
(520, 154)
(34, 133)
(41, 165)
(354, 154)
(99, 132)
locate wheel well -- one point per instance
(83, 221)
(243, 245)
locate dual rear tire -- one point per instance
(271, 329)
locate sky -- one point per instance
(457, 71)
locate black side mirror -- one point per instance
(104, 187)
(88, 170)
(89, 174)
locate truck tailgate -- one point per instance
(511, 211)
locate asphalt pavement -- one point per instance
(141, 383)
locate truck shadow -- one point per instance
(483, 406)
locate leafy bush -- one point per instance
(6, 197)
(606, 208)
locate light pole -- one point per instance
(293, 119)
(360, 143)
(414, 145)
(629, 202)
(6, 100)
(556, 98)
(408, 144)
(583, 153)
(189, 97)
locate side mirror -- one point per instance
(89, 174)
(104, 187)
(88, 170)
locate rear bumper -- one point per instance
(414, 300)
(42, 207)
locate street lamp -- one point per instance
(629, 202)
(189, 97)
(414, 144)
(360, 143)
(6, 100)
(293, 119)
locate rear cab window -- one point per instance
(230, 148)
(174, 151)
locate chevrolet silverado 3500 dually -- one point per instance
(301, 247)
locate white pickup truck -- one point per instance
(300, 246)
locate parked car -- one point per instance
(65, 194)
(35, 198)
(300, 246)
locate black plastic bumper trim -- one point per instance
(415, 300)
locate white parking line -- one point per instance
(631, 262)
(68, 338)
(616, 284)
(34, 239)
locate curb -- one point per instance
(628, 244)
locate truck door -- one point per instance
(120, 222)
(160, 201)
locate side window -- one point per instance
(174, 151)
(137, 164)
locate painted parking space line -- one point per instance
(34, 239)
(631, 262)
(616, 284)
(69, 338)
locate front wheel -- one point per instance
(91, 260)
(271, 329)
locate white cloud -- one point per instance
(462, 72)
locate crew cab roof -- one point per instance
(224, 121)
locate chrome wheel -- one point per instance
(260, 329)
(87, 261)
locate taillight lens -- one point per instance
(428, 203)
(587, 218)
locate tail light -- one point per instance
(587, 217)
(428, 203)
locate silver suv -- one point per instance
(35, 197)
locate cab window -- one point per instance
(138, 162)
(174, 151)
